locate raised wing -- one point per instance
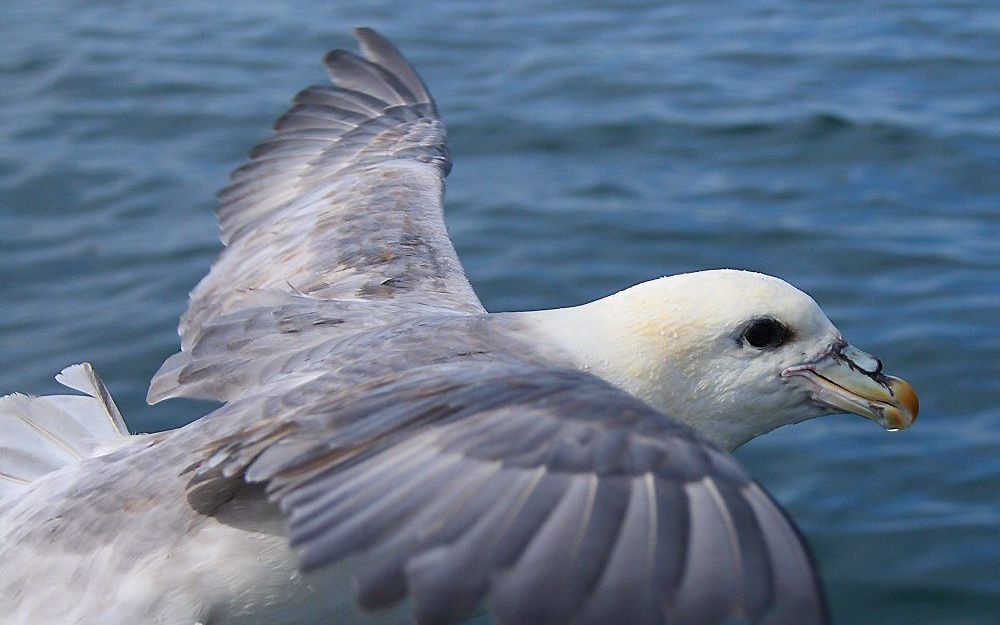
(543, 495)
(344, 202)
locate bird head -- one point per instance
(734, 354)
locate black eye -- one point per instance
(766, 333)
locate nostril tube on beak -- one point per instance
(862, 360)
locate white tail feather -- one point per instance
(41, 434)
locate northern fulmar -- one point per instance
(387, 449)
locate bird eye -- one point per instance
(766, 333)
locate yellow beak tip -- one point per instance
(908, 404)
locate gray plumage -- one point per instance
(396, 425)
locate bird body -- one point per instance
(388, 449)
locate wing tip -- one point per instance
(333, 56)
(379, 50)
(368, 39)
(164, 384)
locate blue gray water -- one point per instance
(852, 150)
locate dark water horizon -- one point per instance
(849, 149)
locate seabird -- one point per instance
(387, 447)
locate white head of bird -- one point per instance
(733, 353)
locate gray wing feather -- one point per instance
(382, 52)
(544, 494)
(343, 203)
(273, 337)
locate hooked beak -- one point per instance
(849, 380)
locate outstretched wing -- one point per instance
(343, 202)
(543, 495)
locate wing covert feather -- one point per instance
(542, 495)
